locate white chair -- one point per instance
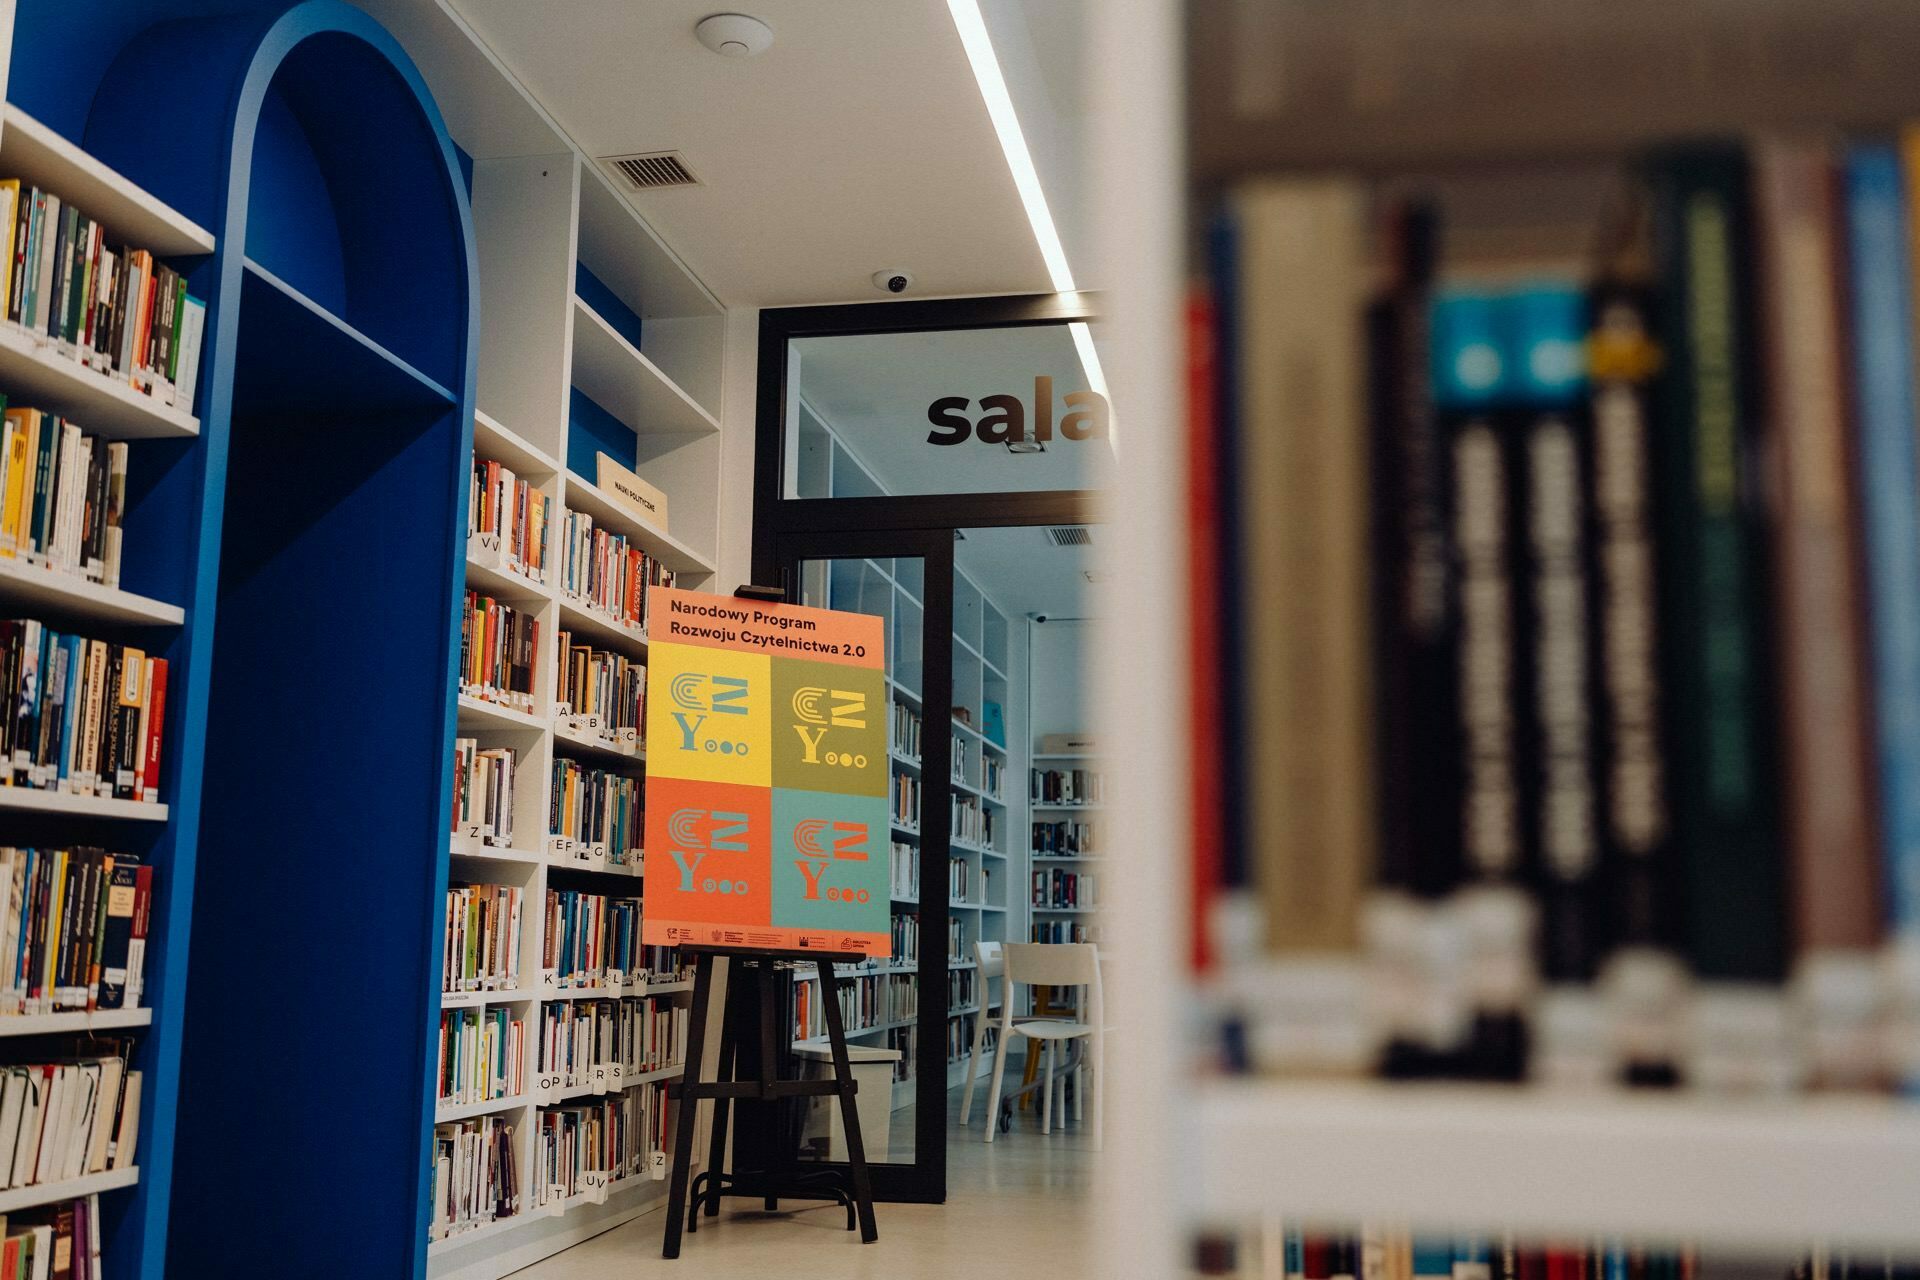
(989, 964)
(1041, 964)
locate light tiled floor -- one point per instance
(1019, 1207)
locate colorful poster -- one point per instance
(767, 776)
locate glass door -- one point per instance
(895, 1009)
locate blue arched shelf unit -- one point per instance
(312, 534)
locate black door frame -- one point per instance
(789, 530)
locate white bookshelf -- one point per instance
(81, 1023)
(1747, 1176)
(28, 800)
(43, 590)
(541, 208)
(18, 1198)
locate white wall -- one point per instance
(1062, 667)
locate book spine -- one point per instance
(1559, 673)
(1883, 336)
(1488, 921)
(156, 724)
(1826, 761)
(1643, 976)
(1416, 687)
(1713, 578)
(1303, 274)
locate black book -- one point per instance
(1712, 556)
(117, 931)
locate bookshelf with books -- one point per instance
(1066, 796)
(598, 346)
(1786, 1156)
(344, 331)
(980, 866)
(99, 559)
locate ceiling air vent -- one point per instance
(1070, 536)
(653, 170)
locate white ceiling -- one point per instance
(874, 390)
(859, 142)
(1025, 573)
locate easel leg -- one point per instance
(767, 1046)
(689, 1105)
(723, 1069)
(849, 1111)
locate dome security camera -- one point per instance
(893, 281)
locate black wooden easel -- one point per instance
(768, 1184)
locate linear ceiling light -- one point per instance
(993, 88)
(1026, 179)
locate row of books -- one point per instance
(476, 1176)
(482, 1055)
(590, 938)
(1390, 1254)
(663, 964)
(62, 495)
(483, 791)
(904, 733)
(972, 822)
(966, 883)
(1062, 931)
(993, 775)
(83, 716)
(112, 309)
(1624, 565)
(507, 520)
(902, 1041)
(73, 929)
(606, 572)
(1063, 890)
(64, 1120)
(960, 987)
(1065, 840)
(866, 1000)
(588, 1147)
(957, 760)
(904, 934)
(608, 689)
(499, 652)
(52, 1242)
(1066, 786)
(624, 1037)
(483, 938)
(959, 945)
(906, 800)
(959, 1038)
(904, 865)
(596, 807)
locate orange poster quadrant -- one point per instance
(772, 630)
(709, 856)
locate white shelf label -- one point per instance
(658, 1166)
(547, 1088)
(599, 1079)
(594, 1183)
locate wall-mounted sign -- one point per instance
(1005, 419)
(767, 776)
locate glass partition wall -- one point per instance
(885, 431)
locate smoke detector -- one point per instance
(734, 35)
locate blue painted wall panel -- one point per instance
(609, 304)
(590, 430)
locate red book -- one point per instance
(156, 717)
(137, 951)
(1316, 1258)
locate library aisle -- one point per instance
(1022, 1202)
